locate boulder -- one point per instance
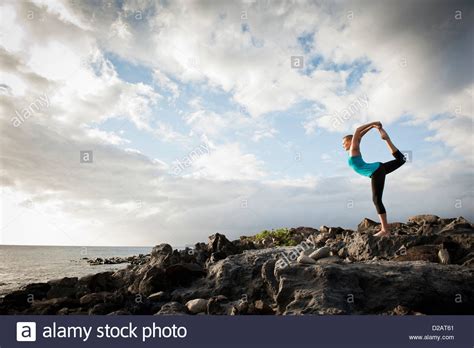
(220, 247)
(159, 296)
(103, 308)
(66, 282)
(372, 288)
(329, 259)
(64, 287)
(262, 307)
(98, 297)
(457, 226)
(320, 253)
(52, 306)
(343, 252)
(183, 274)
(37, 290)
(63, 311)
(443, 256)
(323, 228)
(172, 308)
(240, 274)
(424, 218)
(362, 247)
(153, 281)
(104, 281)
(402, 310)
(303, 259)
(307, 251)
(163, 255)
(268, 276)
(197, 305)
(219, 305)
(427, 253)
(366, 224)
(305, 232)
(18, 300)
(119, 312)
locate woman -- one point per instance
(376, 171)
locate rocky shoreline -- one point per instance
(425, 267)
(132, 260)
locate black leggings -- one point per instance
(378, 179)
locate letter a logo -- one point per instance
(26, 332)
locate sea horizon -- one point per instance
(24, 264)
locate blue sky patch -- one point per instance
(306, 42)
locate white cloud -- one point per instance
(166, 133)
(260, 134)
(209, 123)
(457, 133)
(62, 12)
(106, 137)
(406, 56)
(10, 23)
(228, 162)
(125, 197)
(165, 82)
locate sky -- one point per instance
(137, 123)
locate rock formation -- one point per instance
(425, 267)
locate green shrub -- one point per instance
(281, 236)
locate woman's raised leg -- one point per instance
(399, 158)
(384, 136)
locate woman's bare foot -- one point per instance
(382, 233)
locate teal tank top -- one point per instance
(362, 168)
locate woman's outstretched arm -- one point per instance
(366, 130)
(359, 133)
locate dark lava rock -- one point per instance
(183, 274)
(403, 274)
(105, 281)
(64, 287)
(153, 281)
(220, 247)
(172, 308)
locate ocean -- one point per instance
(21, 265)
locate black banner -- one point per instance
(241, 331)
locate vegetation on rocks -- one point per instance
(279, 237)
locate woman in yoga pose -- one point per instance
(375, 171)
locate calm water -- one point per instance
(20, 265)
